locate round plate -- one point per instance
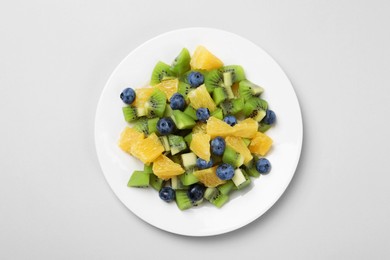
(244, 206)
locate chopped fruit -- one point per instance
(209, 177)
(128, 138)
(200, 145)
(199, 128)
(165, 168)
(203, 59)
(148, 149)
(216, 127)
(246, 128)
(260, 144)
(141, 96)
(169, 87)
(201, 98)
(239, 146)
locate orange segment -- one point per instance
(209, 177)
(201, 98)
(128, 138)
(260, 144)
(246, 128)
(169, 87)
(203, 59)
(200, 145)
(165, 168)
(239, 146)
(148, 149)
(216, 127)
(141, 96)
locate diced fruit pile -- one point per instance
(199, 129)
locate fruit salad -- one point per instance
(198, 128)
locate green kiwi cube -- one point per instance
(165, 142)
(237, 71)
(219, 200)
(141, 125)
(182, 200)
(257, 114)
(232, 157)
(152, 125)
(188, 139)
(139, 179)
(254, 103)
(264, 127)
(247, 89)
(217, 113)
(226, 188)
(182, 120)
(181, 64)
(160, 72)
(148, 168)
(130, 113)
(184, 88)
(177, 184)
(210, 193)
(177, 144)
(155, 105)
(213, 79)
(168, 111)
(156, 182)
(241, 179)
(188, 178)
(190, 111)
(219, 95)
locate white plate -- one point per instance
(244, 206)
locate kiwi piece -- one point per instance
(131, 113)
(182, 120)
(152, 125)
(177, 184)
(141, 125)
(184, 88)
(226, 188)
(218, 113)
(210, 193)
(188, 178)
(160, 72)
(139, 179)
(213, 80)
(247, 89)
(176, 143)
(197, 203)
(156, 182)
(236, 71)
(182, 200)
(188, 139)
(254, 103)
(189, 160)
(181, 64)
(176, 159)
(232, 107)
(219, 95)
(190, 111)
(168, 111)
(241, 179)
(264, 127)
(219, 200)
(232, 157)
(155, 106)
(165, 142)
(258, 114)
(250, 169)
(148, 169)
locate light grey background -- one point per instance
(55, 57)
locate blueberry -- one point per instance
(263, 166)
(167, 194)
(165, 126)
(270, 117)
(202, 114)
(225, 171)
(195, 192)
(177, 102)
(218, 146)
(128, 95)
(230, 120)
(203, 164)
(195, 79)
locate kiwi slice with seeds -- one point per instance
(254, 103)
(155, 105)
(218, 113)
(232, 157)
(188, 178)
(181, 64)
(141, 125)
(232, 107)
(215, 197)
(131, 113)
(177, 144)
(160, 72)
(156, 182)
(184, 88)
(182, 200)
(139, 179)
(226, 188)
(247, 89)
(237, 72)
